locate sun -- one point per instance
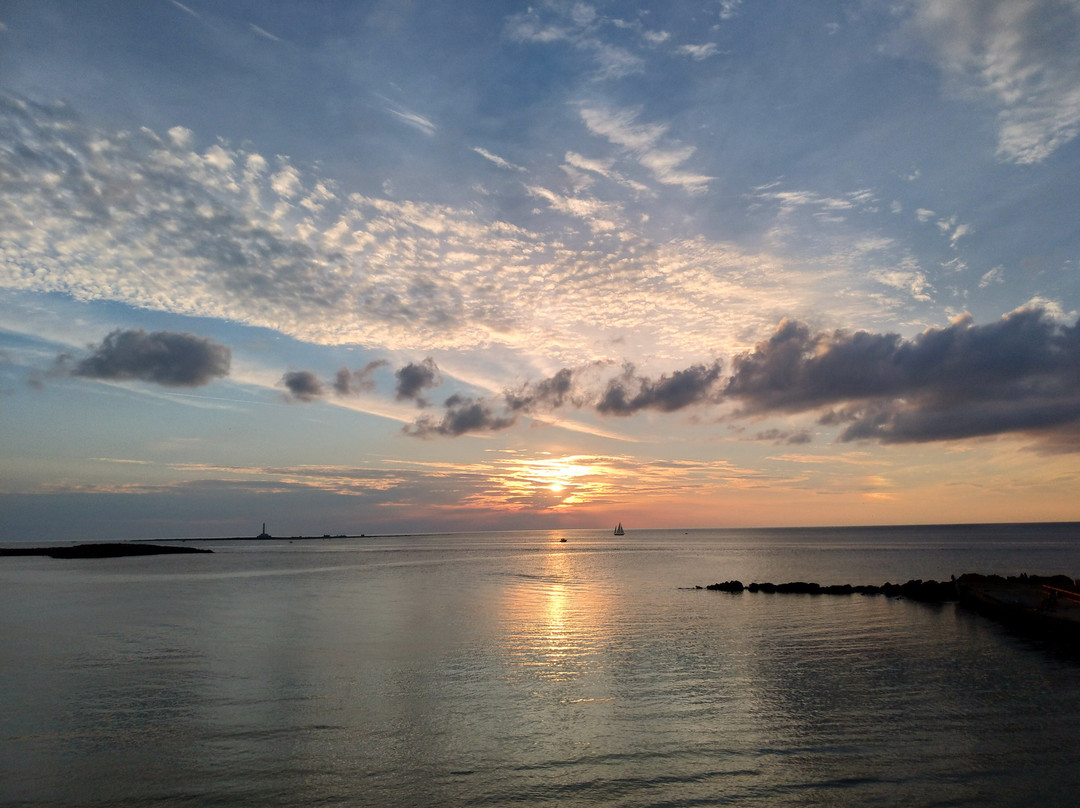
(553, 482)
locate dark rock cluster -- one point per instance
(926, 591)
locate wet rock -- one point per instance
(727, 586)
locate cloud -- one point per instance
(598, 216)
(263, 32)
(303, 385)
(698, 52)
(1021, 55)
(729, 8)
(580, 25)
(1020, 374)
(499, 161)
(643, 140)
(785, 436)
(352, 382)
(629, 393)
(416, 377)
(183, 8)
(223, 232)
(992, 276)
(546, 394)
(823, 208)
(463, 415)
(413, 119)
(622, 395)
(169, 358)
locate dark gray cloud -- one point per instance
(547, 394)
(629, 393)
(351, 382)
(415, 378)
(303, 385)
(463, 415)
(171, 358)
(1019, 374)
(623, 395)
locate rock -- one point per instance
(727, 586)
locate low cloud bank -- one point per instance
(623, 395)
(1019, 374)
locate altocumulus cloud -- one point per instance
(223, 232)
(170, 358)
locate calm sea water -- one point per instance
(512, 669)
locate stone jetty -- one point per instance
(1046, 606)
(926, 591)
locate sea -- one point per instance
(517, 669)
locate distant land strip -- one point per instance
(101, 550)
(324, 537)
(143, 547)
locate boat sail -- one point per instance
(619, 531)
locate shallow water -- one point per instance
(516, 670)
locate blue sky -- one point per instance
(360, 267)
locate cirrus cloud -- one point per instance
(1021, 55)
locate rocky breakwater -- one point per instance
(1042, 607)
(925, 591)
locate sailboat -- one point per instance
(619, 531)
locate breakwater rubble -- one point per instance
(1044, 606)
(926, 591)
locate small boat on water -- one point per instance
(619, 530)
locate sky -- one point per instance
(370, 267)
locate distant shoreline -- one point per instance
(102, 550)
(36, 544)
(146, 547)
(275, 538)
